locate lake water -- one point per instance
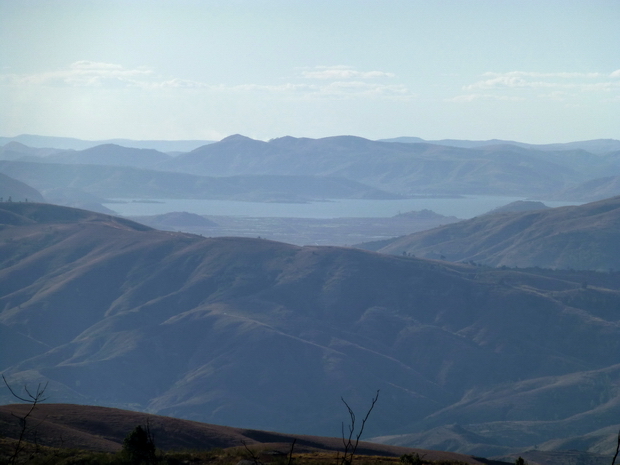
(464, 207)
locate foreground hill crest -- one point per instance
(104, 429)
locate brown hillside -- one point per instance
(17, 191)
(580, 237)
(104, 429)
(263, 335)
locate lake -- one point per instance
(464, 207)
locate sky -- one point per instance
(539, 71)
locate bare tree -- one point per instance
(33, 399)
(290, 454)
(617, 449)
(253, 456)
(351, 441)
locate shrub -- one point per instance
(139, 447)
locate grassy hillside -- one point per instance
(580, 237)
(101, 429)
(264, 335)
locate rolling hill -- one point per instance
(580, 237)
(18, 151)
(111, 154)
(105, 154)
(104, 429)
(591, 190)
(258, 334)
(17, 191)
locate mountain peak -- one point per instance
(14, 145)
(236, 137)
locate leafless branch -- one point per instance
(617, 450)
(33, 400)
(253, 456)
(290, 454)
(350, 445)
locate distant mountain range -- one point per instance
(259, 334)
(109, 181)
(597, 146)
(554, 171)
(69, 143)
(403, 168)
(580, 237)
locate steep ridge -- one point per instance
(580, 237)
(265, 335)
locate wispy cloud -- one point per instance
(466, 98)
(82, 74)
(341, 72)
(319, 82)
(523, 85)
(342, 81)
(521, 79)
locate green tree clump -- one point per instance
(139, 447)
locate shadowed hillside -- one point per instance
(129, 182)
(17, 191)
(259, 334)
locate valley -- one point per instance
(490, 334)
(299, 231)
(267, 233)
(265, 335)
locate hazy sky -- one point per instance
(535, 71)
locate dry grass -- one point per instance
(256, 455)
(68, 434)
